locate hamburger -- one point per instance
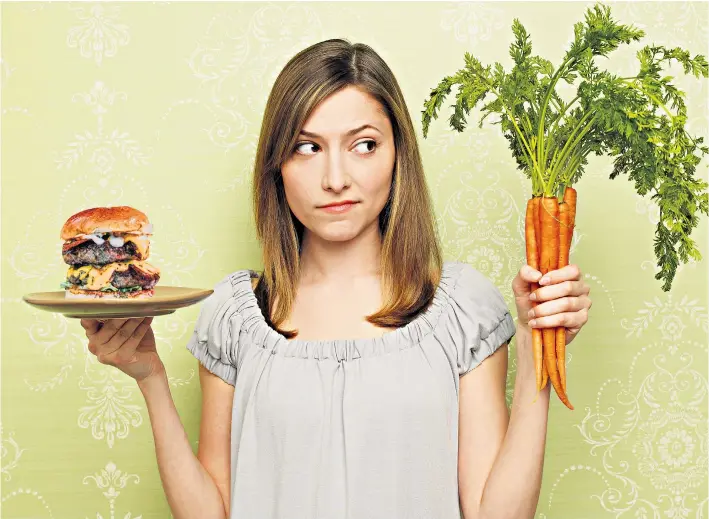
(106, 249)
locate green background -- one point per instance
(158, 105)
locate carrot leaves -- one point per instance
(639, 121)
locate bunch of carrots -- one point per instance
(551, 140)
(549, 226)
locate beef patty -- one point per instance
(90, 253)
(132, 277)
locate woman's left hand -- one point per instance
(563, 299)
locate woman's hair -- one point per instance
(411, 260)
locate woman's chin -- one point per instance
(339, 232)
(343, 230)
(341, 236)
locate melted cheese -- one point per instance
(142, 243)
(98, 277)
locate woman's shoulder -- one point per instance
(467, 278)
(232, 299)
(234, 285)
(478, 320)
(474, 297)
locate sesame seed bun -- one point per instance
(106, 219)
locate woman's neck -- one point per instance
(324, 261)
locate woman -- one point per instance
(359, 376)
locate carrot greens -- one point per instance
(638, 120)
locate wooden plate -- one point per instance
(165, 300)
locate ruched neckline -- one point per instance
(261, 334)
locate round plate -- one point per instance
(165, 301)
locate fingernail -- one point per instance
(533, 296)
(530, 314)
(532, 323)
(544, 280)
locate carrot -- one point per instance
(549, 227)
(549, 260)
(536, 332)
(560, 331)
(567, 216)
(530, 235)
(570, 198)
(533, 261)
(537, 223)
(564, 217)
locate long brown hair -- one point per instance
(411, 259)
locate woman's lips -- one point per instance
(338, 208)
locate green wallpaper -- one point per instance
(158, 104)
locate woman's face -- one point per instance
(345, 153)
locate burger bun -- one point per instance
(115, 219)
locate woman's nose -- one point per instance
(335, 178)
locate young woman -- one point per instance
(359, 376)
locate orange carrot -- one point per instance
(564, 214)
(567, 217)
(538, 348)
(560, 331)
(537, 332)
(537, 223)
(549, 227)
(531, 235)
(570, 196)
(549, 260)
(533, 261)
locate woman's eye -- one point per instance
(303, 145)
(368, 142)
(369, 147)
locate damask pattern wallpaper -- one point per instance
(158, 105)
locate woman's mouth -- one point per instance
(338, 207)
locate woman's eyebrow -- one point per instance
(350, 133)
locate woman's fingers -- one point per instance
(571, 320)
(529, 275)
(91, 326)
(563, 289)
(567, 273)
(113, 334)
(122, 334)
(109, 329)
(123, 353)
(558, 306)
(521, 284)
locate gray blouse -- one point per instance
(349, 428)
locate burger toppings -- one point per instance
(119, 275)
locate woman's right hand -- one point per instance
(127, 344)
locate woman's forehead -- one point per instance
(344, 111)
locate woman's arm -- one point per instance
(501, 455)
(214, 450)
(191, 491)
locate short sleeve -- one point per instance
(214, 340)
(479, 320)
